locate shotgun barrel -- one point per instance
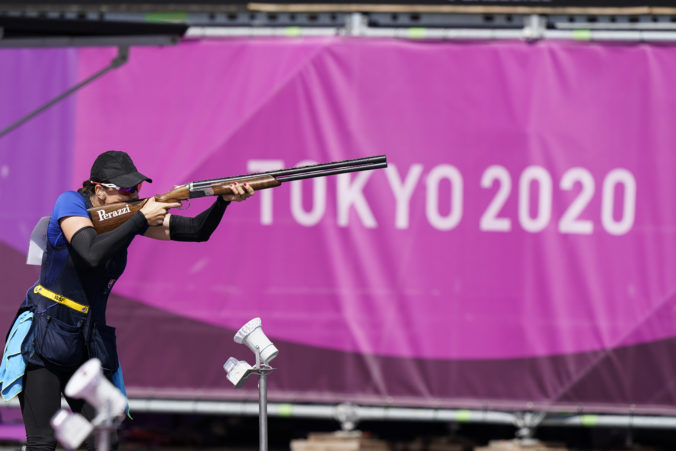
(110, 216)
(306, 172)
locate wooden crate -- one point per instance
(338, 441)
(521, 445)
(431, 444)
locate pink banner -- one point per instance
(516, 218)
(518, 249)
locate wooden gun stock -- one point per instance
(111, 216)
(108, 217)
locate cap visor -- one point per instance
(129, 180)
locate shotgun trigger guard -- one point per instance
(184, 204)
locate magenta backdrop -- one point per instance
(410, 261)
(520, 247)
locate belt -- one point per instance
(39, 289)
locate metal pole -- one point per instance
(263, 411)
(102, 439)
(533, 31)
(103, 431)
(120, 59)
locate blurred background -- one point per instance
(507, 282)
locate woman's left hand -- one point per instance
(240, 192)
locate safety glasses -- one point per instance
(131, 190)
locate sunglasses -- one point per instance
(131, 190)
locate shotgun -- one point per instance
(108, 217)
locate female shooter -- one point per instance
(61, 323)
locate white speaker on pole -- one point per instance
(70, 429)
(89, 383)
(251, 334)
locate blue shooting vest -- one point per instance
(63, 336)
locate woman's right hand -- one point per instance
(155, 211)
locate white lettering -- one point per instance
(490, 221)
(570, 221)
(618, 178)
(350, 194)
(539, 175)
(444, 198)
(402, 191)
(451, 173)
(103, 215)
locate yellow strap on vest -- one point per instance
(39, 289)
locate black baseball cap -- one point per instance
(115, 166)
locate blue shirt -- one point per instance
(70, 203)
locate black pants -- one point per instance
(41, 399)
